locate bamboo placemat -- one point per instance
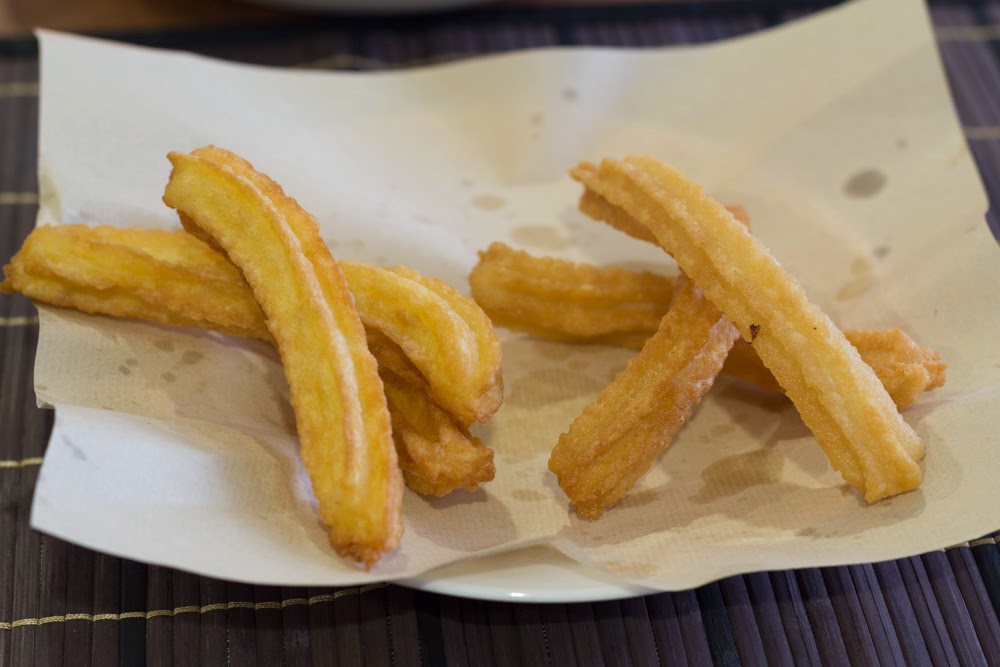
(62, 604)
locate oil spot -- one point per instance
(191, 357)
(860, 266)
(555, 352)
(569, 94)
(862, 281)
(902, 143)
(381, 259)
(550, 385)
(577, 364)
(881, 251)
(539, 236)
(489, 202)
(169, 377)
(527, 495)
(467, 182)
(131, 362)
(535, 136)
(355, 244)
(855, 288)
(721, 430)
(124, 370)
(42, 387)
(735, 474)
(165, 345)
(808, 532)
(537, 118)
(865, 183)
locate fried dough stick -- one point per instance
(340, 410)
(469, 387)
(170, 269)
(581, 303)
(165, 277)
(172, 278)
(615, 440)
(436, 454)
(838, 396)
(567, 301)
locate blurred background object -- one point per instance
(20, 17)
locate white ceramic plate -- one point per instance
(532, 574)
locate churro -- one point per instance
(340, 409)
(614, 441)
(838, 396)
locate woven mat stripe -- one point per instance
(954, 610)
(987, 157)
(266, 605)
(295, 625)
(749, 591)
(762, 601)
(973, 73)
(213, 628)
(973, 589)
(19, 141)
(797, 626)
(988, 562)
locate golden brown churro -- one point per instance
(616, 438)
(570, 302)
(340, 410)
(838, 395)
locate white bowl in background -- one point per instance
(369, 6)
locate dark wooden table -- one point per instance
(62, 604)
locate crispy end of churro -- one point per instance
(838, 396)
(340, 409)
(905, 368)
(614, 441)
(84, 268)
(566, 301)
(436, 453)
(485, 381)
